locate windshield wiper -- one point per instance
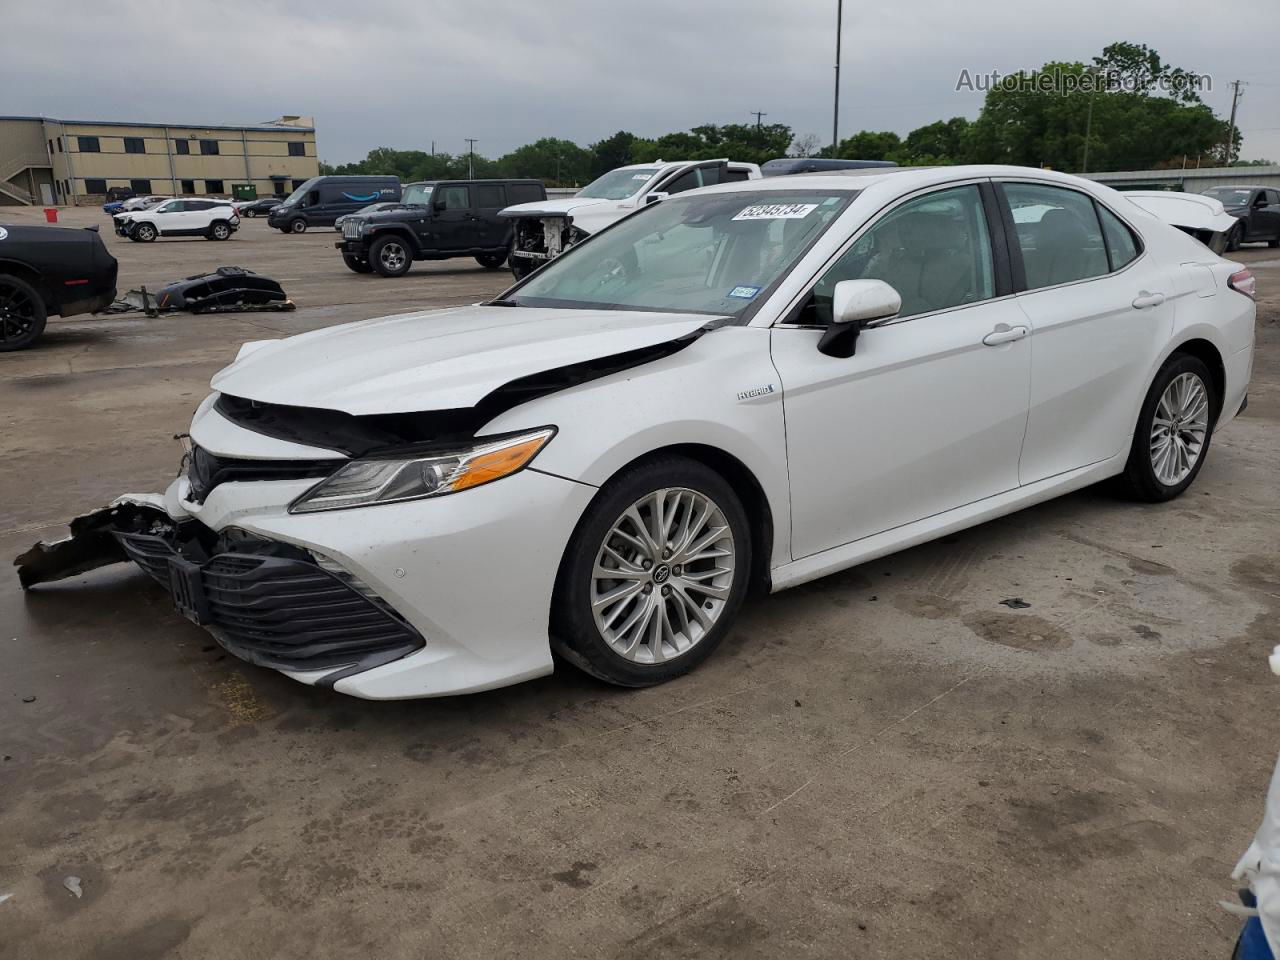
(503, 303)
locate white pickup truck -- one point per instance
(546, 228)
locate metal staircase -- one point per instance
(14, 166)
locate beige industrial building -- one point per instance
(67, 162)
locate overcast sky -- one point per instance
(402, 73)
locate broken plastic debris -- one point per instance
(73, 884)
(1275, 660)
(5, 896)
(1015, 603)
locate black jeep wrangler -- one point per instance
(44, 270)
(437, 220)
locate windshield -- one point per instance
(711, 253)
(418, 194)
(298, 194)
(618, 184)
(1230, 196)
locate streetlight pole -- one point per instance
(1088, 123)
(835, 111)
(471, 157)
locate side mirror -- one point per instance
(437, 206)
(854, 304)
(655, 197)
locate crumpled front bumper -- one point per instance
(440, 596)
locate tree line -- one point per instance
(1127, 110)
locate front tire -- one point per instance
(390, 256)
(22, 314)
(521, 267)
(491, 261)
(143, 233)
(356, 264)
(654, 574)
(297, 225)
(1175, 427)
(1234, 238)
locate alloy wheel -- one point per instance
(663, 575)
(1178, 428)
(392, 256)
(18, 314)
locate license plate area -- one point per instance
(186, 586)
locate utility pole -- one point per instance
(1088, 124)
(1231, 124)
(471, 157)
(758, 115)
(835, 112)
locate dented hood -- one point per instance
(438, 360)
(555, 208)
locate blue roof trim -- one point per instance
(257, 127)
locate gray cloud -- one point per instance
(402, 73)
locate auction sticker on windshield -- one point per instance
(777, 211)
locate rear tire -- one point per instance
(219, 230)
(390, 256)
(250, 213)
(297, 225)
(22, 314)
(1273, 242)
(1175, 425)
(681, 589)
(356, 264)
(491, 261)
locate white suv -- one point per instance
(180, 217)
(546, 228)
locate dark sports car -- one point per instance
(50, 270)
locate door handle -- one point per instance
(1003, 333)
(1147, 299)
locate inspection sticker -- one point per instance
(744, 292)
(777, 211)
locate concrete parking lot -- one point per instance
(887, 763)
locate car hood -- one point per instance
(438, 360)
(554, 208)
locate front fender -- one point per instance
(688, 398)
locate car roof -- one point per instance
(904, 179)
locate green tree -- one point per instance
(1042, 117)
(934, 144)
(869, 145)
(554, 161)
(612, 152)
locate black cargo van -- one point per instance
(436, 220)
(322, 200)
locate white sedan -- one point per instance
(746, 386)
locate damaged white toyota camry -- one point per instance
(751, 384)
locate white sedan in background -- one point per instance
(753, 384)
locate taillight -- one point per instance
(1242, 281)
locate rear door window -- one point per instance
(490, 196)
(1058, 233)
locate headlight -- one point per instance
(395, 478)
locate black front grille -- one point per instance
(284, 611)
(206, 470)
